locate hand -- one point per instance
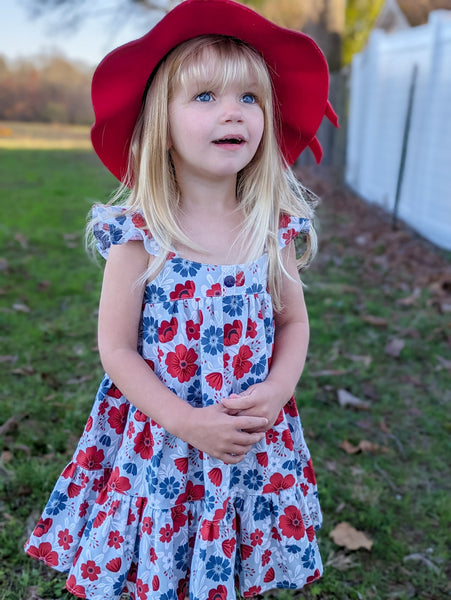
(259, 400)
(214, 431)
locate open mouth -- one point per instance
(230, 140)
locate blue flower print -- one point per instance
(233, 305)
(194, 394)
(253, 480)
(119, 585)
(181, 557)
(255, 288)
(115, 234)
(169, 596)
(150, 330)
(87, 529)
(308, 558)
(212, 340)
(218, 568)
(209, 501)
(152, 480)
(186, 268)
(103, 239)
(154, 294)
(235, 476)
(269, 330)
(260, 367)
(169, 487)
(57, 503)
(261, 509)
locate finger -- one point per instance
(252, 423)
(247, 440)
(235, 402)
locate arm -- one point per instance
(290, 350)
(210, 429)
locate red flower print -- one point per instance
(215, 476)
(117, 483)
(262, 458)
(291, 523)
(167, 330)
(228, 546)
(289, 235)
(278, 482)
(69, 471)
(88, 426)
(192, 492)
(114, 564)
(91, 459)
(257, 537)
(73, 588)
(253, 591)
(166, 533)
(130, 430)
(142, 589)
(139, 416)
(209, 530)
(89, 570)
(79, 549)
(179, 517)
(42, 526)
(83, 509)
(147, 525)
(115, 539)
(117, 417)
(309, 473)
(232, 333)
(100, 518)
(239, 279)
(214, 380)
(215, 290)
(73, 489)
(182, 464)
(226, 358)
(192, 330)
(155, 582)
(153, 556)
(272, 436)
(132, 573)
(246, 551)
(150, 363)
(269, 575)
(276, 535)
(310, 533)
(287, 439)
(304, 488)
(103, 406)
(114, 392)
(144, 442)
(113, 508)
(251, 330)
(182, 291)
(182, 363)
(131, 517)
(140, 223)
(290, 408)
(241, 364)
(316, 575)
(266, 558)
(220, 593)
(65, 539)
(284, 221)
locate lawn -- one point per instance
(379, 308)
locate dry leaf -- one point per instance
(443, 361)
(394, 347)
(340, 561)
(23, 371)
(362, 446)
(409, 300)
(19, 307)
(365, 359)
(345, 535)
(378, 321)
(347, 399)
(6, 456)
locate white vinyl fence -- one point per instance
(380, 93)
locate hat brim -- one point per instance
(298, 69)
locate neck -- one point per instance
(208, 196)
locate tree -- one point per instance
(360, 18)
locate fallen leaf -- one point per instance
(443, 361)
(350, 538)
(378, 321)
(365, 359)
(19, 307)
(340, 561)
(409, 300)
(394, 347)
(345, 398)
(6, 456)
(362, 446)
(421, 558)
(445, 307)
(23, 371)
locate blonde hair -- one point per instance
(266, 188)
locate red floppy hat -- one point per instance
(298, 69)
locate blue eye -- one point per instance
(204, 97)
(249, 99)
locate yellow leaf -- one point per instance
(350, 538)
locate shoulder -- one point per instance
(290, 227)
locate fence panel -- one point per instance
(379, 96)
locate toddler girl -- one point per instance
(192, 477)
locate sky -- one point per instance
(104, 29)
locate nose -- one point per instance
(231, 110)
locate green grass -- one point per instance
(399, 498)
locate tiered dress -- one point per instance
(140, 511)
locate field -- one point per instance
(379, 303)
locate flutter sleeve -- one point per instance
(290, 227)
(113, 225)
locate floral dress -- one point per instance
(142, 512)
